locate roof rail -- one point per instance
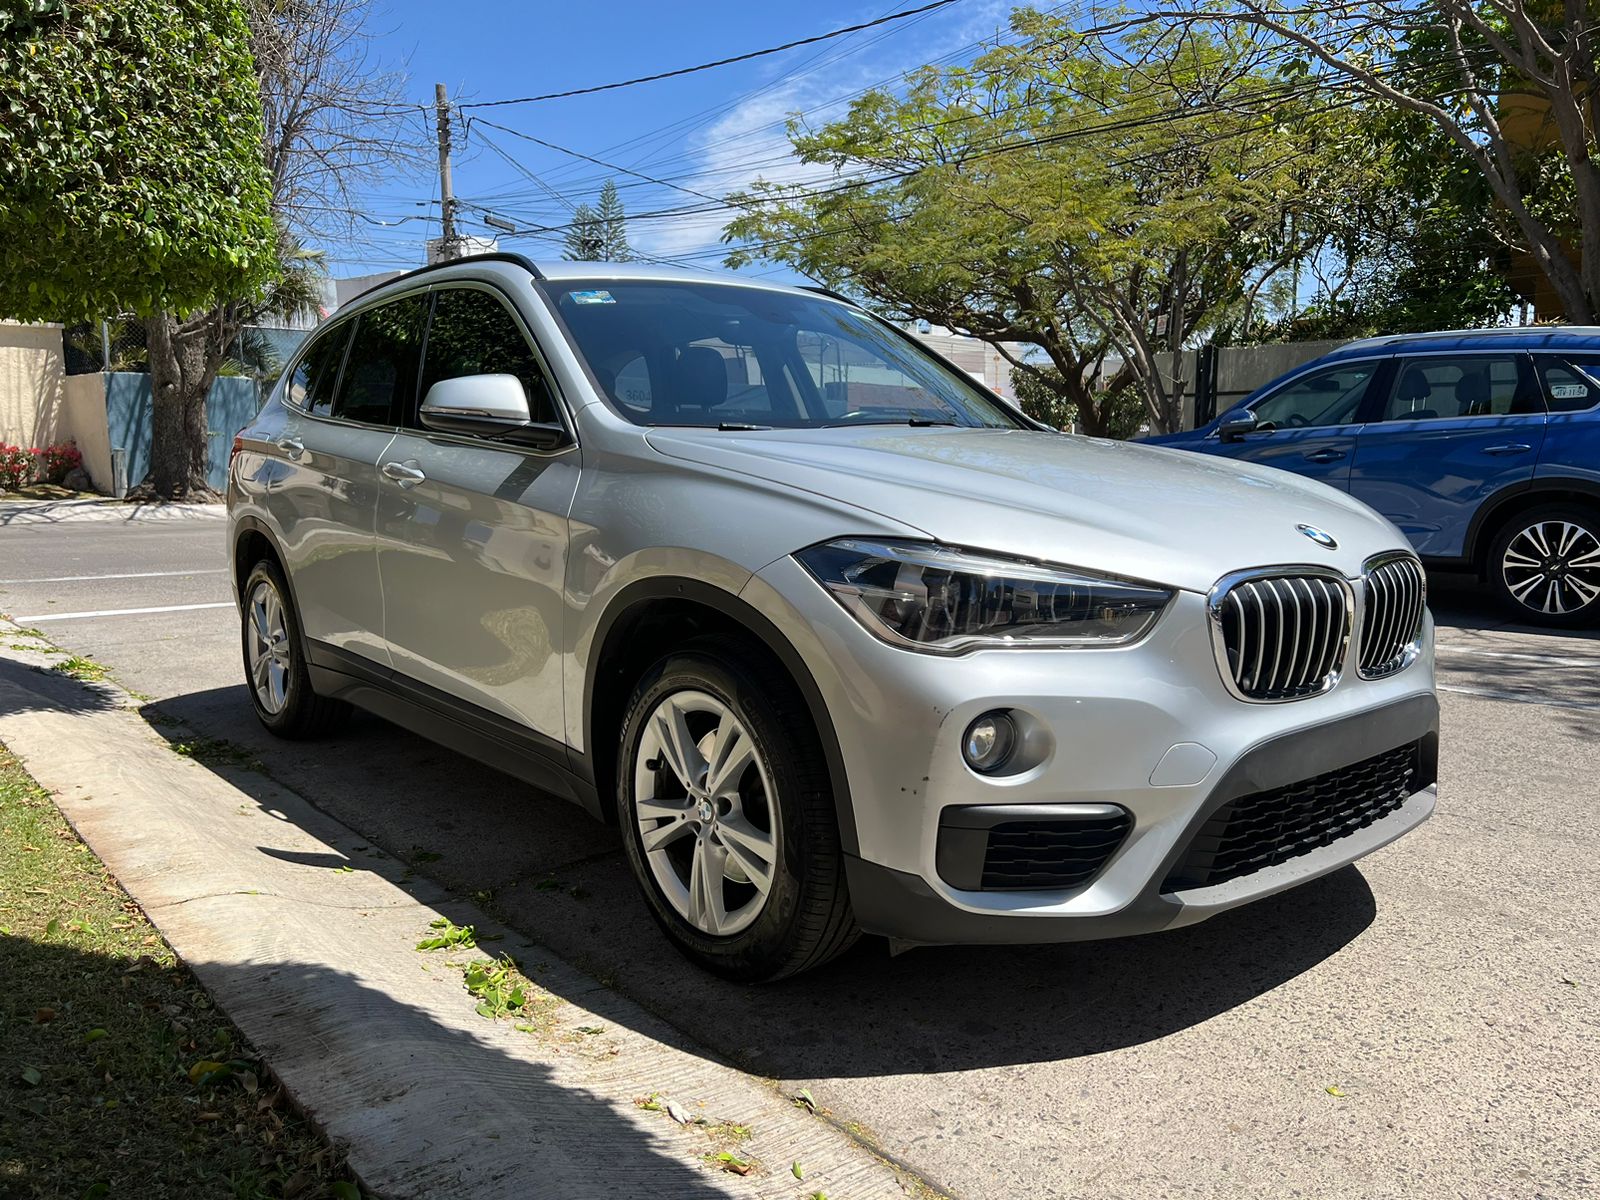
(505, 256)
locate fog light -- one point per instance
(989, 742)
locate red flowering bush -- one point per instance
(55, 461)
(16, 466)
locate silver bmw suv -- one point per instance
(837, 639)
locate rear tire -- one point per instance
(756, 816)
(275, 661)
(1544, 566)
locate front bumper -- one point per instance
(903, 906)
(1149, 729)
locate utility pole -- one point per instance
(449, 246)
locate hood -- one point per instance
(1168, 516)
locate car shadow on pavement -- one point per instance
(867, 1014)
(488, 1124)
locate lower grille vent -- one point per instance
(1267, 828)
(1050, 854)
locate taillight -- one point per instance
(238, 445)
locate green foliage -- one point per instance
(131, 175)
(599, 233)
(499, 987)
(1069, 192)
(613, 225)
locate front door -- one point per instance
(1453, 429)
(472, 533)
(1308, 426)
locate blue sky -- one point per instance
(712, 132)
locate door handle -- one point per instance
(1324, 456)
(291, 446)
(1508, 448)
(404, 474)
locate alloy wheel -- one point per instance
(1553, 567)
(706, 812)
(268, 647)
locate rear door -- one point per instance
(1452, 430)
(322, 493)
(472, 532)
(1309, 425)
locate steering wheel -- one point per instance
(1295, 421)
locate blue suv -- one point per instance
(1483, 446)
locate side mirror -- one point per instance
(1233, 428)
(490, 406)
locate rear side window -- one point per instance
(380, 372)
(1569, 386)
(310, 388)
(1489, 385)
(472, 333)
(1330, 397)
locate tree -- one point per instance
(1510, 84)
(1106, 200)
(585, 237)
(599, 233)
(613, 224)
(130, 171)
(329, 120)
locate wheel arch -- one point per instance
(671, 603)
(1504, 506)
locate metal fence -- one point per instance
(259, 352)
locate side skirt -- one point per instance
(453, 723)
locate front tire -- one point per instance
(1544, 566)
(727, 814)
(275, 661)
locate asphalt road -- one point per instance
(1446, 986)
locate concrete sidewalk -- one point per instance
(306, 937)
(57, 512)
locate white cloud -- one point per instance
(749, 142)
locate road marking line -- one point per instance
(119, 612)
(129, 575)
(1513, 697)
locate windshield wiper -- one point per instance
(914, 422)
(740, 427)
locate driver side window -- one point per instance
(1330, 397)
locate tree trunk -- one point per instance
(182, 370)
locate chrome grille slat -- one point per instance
(1281, 634)
(1394, 595)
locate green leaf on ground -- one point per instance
(94, 1035)
(797, 1171)
(31, 1076)
(1334, 1089)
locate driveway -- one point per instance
(1422, 1024)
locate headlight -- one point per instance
(937, 598)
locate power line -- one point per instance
(721, 62)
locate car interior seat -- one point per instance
(1472, 394)
(698, 380)
(1414, 388)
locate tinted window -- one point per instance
(1329, 397)
(682, 353)
(1488, 385)
(473, 334)
(1570, 386)
(311, 386)
(380, 372)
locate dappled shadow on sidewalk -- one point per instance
(425, 1110)
(39, 687)
(868, 1014)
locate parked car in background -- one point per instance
(839, 641)
(1483, 446)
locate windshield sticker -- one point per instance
(595, 297)
(1569, 391)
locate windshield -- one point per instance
(666, 352)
